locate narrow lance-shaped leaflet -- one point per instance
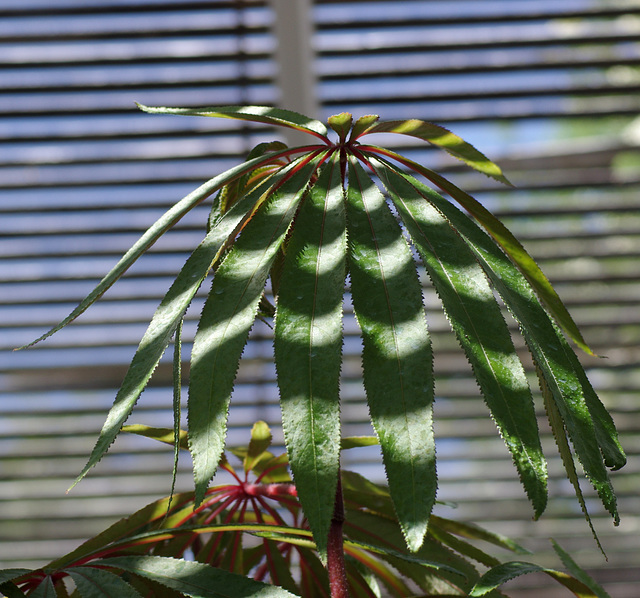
(308, 347)
(442, 138)
(505, 239)
(262, 114)
(477, 321)
(165, 322)
(194, 579)
(153, 233)
(227, 317)
(550, 351)
(505, 572)
(177, 405)
(397, 357)
(100, 583)
(560, 435)
(46, 589)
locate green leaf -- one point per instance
(314, 581)
(363, 578)
(308, 347)
(10, 590)
(165, 435)
(279, 568)
(361, 125)
(9, 574)
(45, 589)
(275, 470)
(444, 139)
(99, 583)
(227, 317)
(341, 123)
(475, 532)
(403, 556)
(261, 114)
(505, 572)
(361, 493)
(195, 579)
(396, 585)
(166, 319)
(177, 400)
(397, 357)
(124, 528)
(153, 233)
(559, 433)
(578, 572)
(260, 441)
(468, 550)
(606, 434)
(509, 244)
(237, 188)
(551, 352)
(477, 321)
(350, 442)
(383, 531)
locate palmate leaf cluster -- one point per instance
(250, 529)
(309, 222)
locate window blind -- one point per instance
(548, 90)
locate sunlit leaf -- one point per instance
(227, 317)
(444, 139)
(166, 319)
(308, 347)
(259, 443)
(397, 356)
(510, 245)
(350, 442)
(341, 124)
(549, 349)
(606, 434)
(273, 469)
(262, 114)
(195, 579)
(559, 433)
(165, 435)
(362, 124)
(152, 234)
(465, 294)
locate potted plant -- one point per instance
(289, 230)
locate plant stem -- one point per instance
(335, 550)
